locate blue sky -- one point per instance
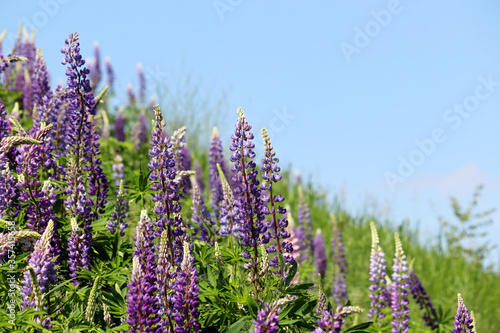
(353, 93)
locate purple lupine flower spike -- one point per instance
(270, 175)
(203, 223)
(463, 320)
(119, 126)
(119, 214)
(227, 206)
(249, 213)
(143, 307)
(130, 94)
(320, 253)
(339, 290)
(185, 298)
(166, 197)
(216, 156)
(377, 278)
(95, 71)
(400, 290)
(305, 229)
(43, 266)
(420, 295)
(268, 318)
(332, 321)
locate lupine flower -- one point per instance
(270, 174)
(339, 290)
(95, 70)
(40, 81)
(142, 301)
(226, 209)
(400, 290)
(182, 156)
(203, 223)
(119, 214)
(216, 156)
(331, 322)
(119, 126)
(118, 172)
(185, 298)
(142, 83)
(319, 253)
(268, 318)
(463, 321)
(305, 230)
(249, 213)
(163, 174)
(377, 278)
(422, 299)
(78, 250)
(41, 260)
(4, 123)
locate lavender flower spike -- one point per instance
(322, 303)
(319, 253)
(268, 318)
(377, 278)
(216, 156)
(339, 290)
(400, 290)
(331, 322)
(463, 321)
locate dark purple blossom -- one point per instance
(400, 290)
(320, 253)
(185, 298)
(140, 132)
(119, 215)
(95, 69)
(119, 126)
(249, 213)
(216, 156)
(420, 295)
(339, 289)
(276, 214)
(41, 260)
(305, 229)
(203, 223)
(268, 318)
(331, 321)
(166, 197)
(463, 320)
(377, 278)
(110, 73)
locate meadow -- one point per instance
(119, 219)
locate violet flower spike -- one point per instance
(320, 253)
(377, 278)
(420, 295)
(270, 175)
(249, 212)
(332, 321)
(463, 320)
(268, 318)
(216, 156)
(305, 229)
(119, 214)
(339, 289)
(185, 298)
(142, 83)
(227, 206)
(400, 290)
(166, 197)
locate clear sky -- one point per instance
(393, 102)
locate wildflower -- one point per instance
(339, 290)
(420, 295)
(304, 232)
(400, 290)
(216, 156)
(377, 278)
(119, 214)
(319, 253)
(249, 213)
(270, 174)
(463, 321)
(331, 321)
(268, 318)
